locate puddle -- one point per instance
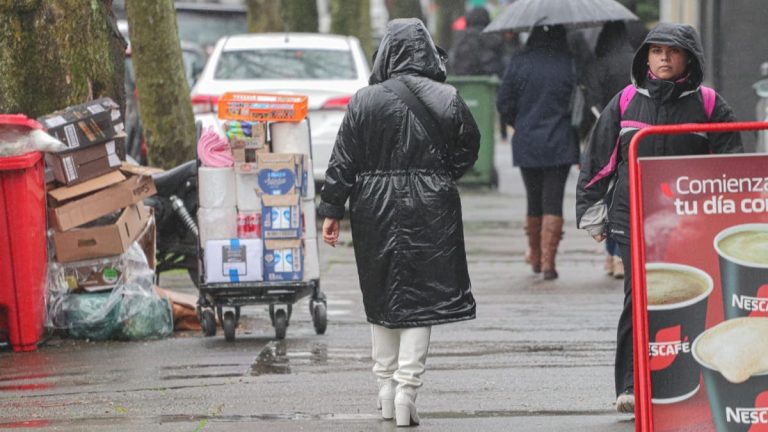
(272, 360)
(276, 359)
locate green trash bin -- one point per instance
(479, 92)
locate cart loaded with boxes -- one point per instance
(258, 233)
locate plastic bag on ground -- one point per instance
(131, 311)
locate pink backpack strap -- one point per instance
(710, 97)
(626, 97)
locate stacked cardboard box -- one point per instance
(93, 133)
(100, 217)
(231, 236)
(94, 201)
(272, 198)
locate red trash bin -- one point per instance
(23, 249)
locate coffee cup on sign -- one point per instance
(734, 360)
(743, 251)
(677, 309)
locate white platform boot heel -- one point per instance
(386, 343)
(386, 400)
(405, 408)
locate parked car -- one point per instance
(328, 69)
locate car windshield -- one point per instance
(316, 64)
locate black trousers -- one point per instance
(624, 367)
(544, 189)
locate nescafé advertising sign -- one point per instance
(706, 253)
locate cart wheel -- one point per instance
(281, 324)
(208, 323)
(229, 326)
(320, 318)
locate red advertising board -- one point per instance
(701, 343)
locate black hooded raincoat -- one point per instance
(404, 204)
(602, 195)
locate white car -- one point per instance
(328, 69)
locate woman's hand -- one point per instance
(599, 237)
(331, 231)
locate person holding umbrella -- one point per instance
(404, 141)
(534, 98)
(667, 72)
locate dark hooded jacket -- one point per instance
(534, 98)
(602, 195)
(405, 209)
(609, 73)
(474, 52)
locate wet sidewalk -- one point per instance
(539, 357)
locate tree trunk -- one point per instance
(300, 15)
(164, 103)
(405, 9)
(57, 53)
(352, 18)
(447, 12)
(264, 16)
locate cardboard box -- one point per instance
(234, 260)
(283, 260)
(101, 241)
(140, 169)
(80, 164)
(281, 216)
(256, 141)
(244, 155)
(276, 171)
(87, 124)
(73, 206)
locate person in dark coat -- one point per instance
(605, 76)
(405, 210)
(534, 98)
(667, 72)
(474, 52)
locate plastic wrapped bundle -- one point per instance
(131, 311)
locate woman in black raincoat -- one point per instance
(405, 209)
(667, 72)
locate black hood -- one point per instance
(478, 17)
(612, 38)
(407, 49)
(681, 35)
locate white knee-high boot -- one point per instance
(412, 358)
(385, 348)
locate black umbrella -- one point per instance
(521, 15)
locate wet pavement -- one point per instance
(538, 357)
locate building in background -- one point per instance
(735, 46)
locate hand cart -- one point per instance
(280, 296)
(225, 300)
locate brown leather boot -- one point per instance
(551, 234)
(533, 231)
